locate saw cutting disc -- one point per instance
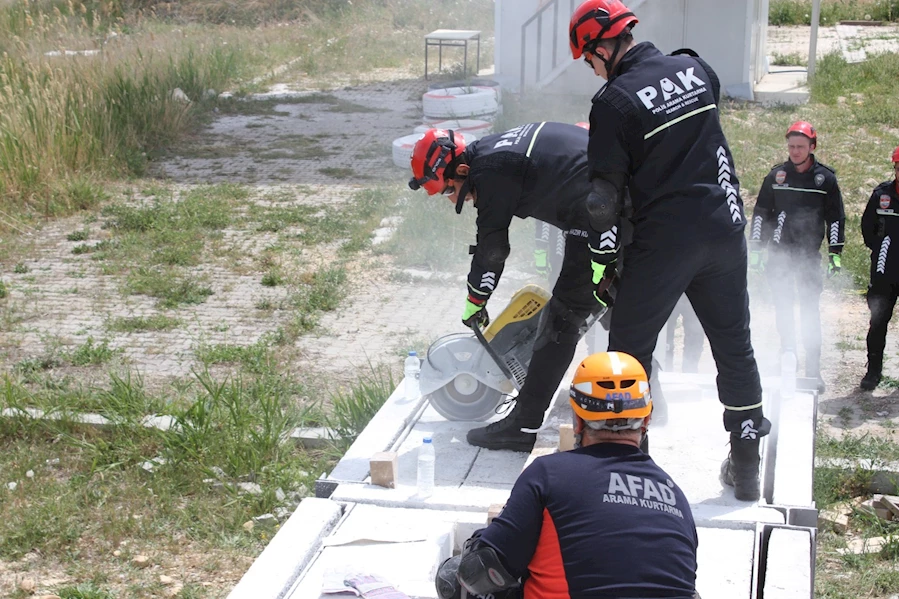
(465, 398)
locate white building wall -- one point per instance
(728, 34)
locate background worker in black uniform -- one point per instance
(880, 228)
(537, 170)
(799, 205)
(654, 129)
(693, 336)
(585, 523)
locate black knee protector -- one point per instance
(603, 205)
(749, 424)
(447, 581)
(558, 324)
(482, 573)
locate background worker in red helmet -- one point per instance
(537, 170)
(587, 522)
(655, 132)
(799, 205)
(880, 229)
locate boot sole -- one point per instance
(510, 445)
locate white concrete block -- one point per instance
(795, 452)
(289, 552)
(403, 546)
(379, 435)
(788, 568)
(725, 562)
(465, 498)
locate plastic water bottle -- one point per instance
(426, 460)
(788, 374)
(412, 370)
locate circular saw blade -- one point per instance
(465, 398)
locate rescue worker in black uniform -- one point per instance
(799, 205)
(537, 170)
(582, 523)
(880, 227)
(655, 130)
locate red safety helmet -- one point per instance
(583, 125)
(430, 157)
(803, 128)
(596, 20)
(896, 155)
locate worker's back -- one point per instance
(599, 521)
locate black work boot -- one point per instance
(506, 433)
(741, 468)
(813, 369)
(875, 371)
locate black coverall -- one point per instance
(880, 229)
(537, 170)
(793, 214)
(656, 125)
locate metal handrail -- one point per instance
(538, 17)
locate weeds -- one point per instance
(352, 409)
(133, 324)
(168, 285)
(798, 12)
(4, 291)
(21, 268)
(89, 354)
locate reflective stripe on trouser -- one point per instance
(713, 275)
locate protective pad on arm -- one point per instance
(481, 572)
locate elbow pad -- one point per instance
(496, 251)
(603, 205)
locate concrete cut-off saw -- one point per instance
(466, 375)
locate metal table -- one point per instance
(457, 38)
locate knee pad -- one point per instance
(482, 573)
(749, 424)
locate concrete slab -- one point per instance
(783, 85)
(290, 551)
(403, 546)
(725, 561)
(465, 498)
(795, 451)
(380, 434)
(787, 572)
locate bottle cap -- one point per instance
(427, 439)
(413, 353)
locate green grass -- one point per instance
(133, 324)
(353, 408)
(4, 291)
(91, 354)
(170, 286)
(798, 12)
(21, 268)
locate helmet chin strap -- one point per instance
(610, 61)
(463, 193)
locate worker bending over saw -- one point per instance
(602, 520)
(537, 170)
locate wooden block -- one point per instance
(493, 511)
(890, 502)
(872, 507)
(862, 546)
(383, 467)
(833, 519)
(566, 437)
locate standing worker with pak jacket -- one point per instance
(880, 229)
(799, 206)
(655, 132)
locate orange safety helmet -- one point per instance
(436, 149)
(610, 391)
(896, 155)
(596, 20)
(803, 128)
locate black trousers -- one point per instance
(881, 301)
(796, 276)
(693, 336)
(571, 304)
(713, 275)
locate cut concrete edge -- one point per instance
(795, 450)
(290, 551)
(452, 499)
(787, 560)
(379, 435)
